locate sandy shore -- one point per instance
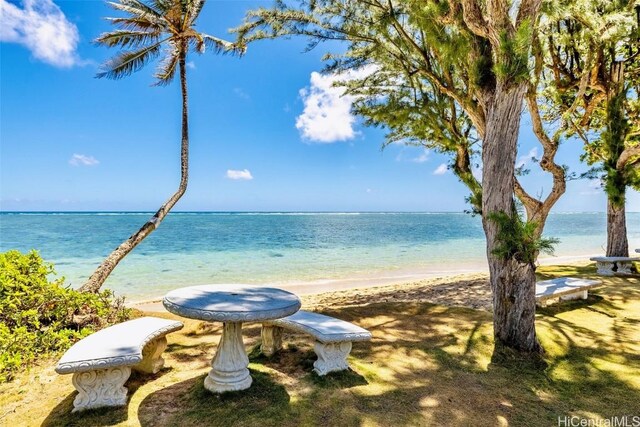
(468, 289)
(471, 290)
(336, 286)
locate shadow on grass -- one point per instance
(570, 305)
(338, 380)
(189, 403)
(293, 360)
(516, 361)
(426, 365)
(61, 415)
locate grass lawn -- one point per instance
(427, 365)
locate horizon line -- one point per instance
(267, 211)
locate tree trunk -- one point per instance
(617, 244)
(617, 129)
(98, 277)
(512, 280)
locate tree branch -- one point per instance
(630, 156)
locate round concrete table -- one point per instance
(232, 305)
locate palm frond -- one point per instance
(217, 45)
(128, 62)
(148, 21)
(136, 24)
(167, 68)
(139, 10)
(128, 38)
(193, 11)
(162, 5)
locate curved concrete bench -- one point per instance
(101, 363)
(610, 265)
(564, 288)
(333, 338)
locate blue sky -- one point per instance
(73, 142)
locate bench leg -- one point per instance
(102, 387)
(152, 360)
(271, 340)
(331, 357)
(625, 267)
(605, 268)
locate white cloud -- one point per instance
(191, 65)
(441, 170)
(43, 29)
(327, 117)
(525, 159)
(242, 175)
(82, 160)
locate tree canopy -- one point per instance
(592, 61)
(158, 28)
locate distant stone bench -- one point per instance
(333, 338)
(564, 288)
(101, 363)
(608, 266)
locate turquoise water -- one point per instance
(276, 248)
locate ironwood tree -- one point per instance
(465, 63)
(591, 55)
(149, 30)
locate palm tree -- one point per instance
(150, 29)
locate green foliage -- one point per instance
(475, 198)
(39, 316)
(482, 70)
(613, 138)
(513, 64)
(592, 57)
(517, 238)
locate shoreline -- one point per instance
(389, 280)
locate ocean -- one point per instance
(274, 248)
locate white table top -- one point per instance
(231, 303)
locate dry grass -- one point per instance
(427, 365)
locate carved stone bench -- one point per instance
(333, 338)
(101, 363)
(608, 266)
(564, 288)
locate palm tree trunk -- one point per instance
(98, 277)
(512, 281)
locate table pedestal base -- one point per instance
(229, 366)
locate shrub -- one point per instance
(39, 317)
